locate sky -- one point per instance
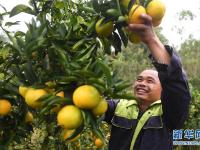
(170, 23)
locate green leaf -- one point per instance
(59, 5)
(113, 13)
(106, 45)
(21, 8)
(62, 30)
(11, 23)
(98, 81)
(91, 27)
(121, 86)
(3, 7)
(106, 70)
(85, 54)
(78, 44)
(30, 73)
(20, 42)
(17, 71)
(84, 73)
(96, 5)
(76, 132)
(19, 33)
(65, 80)
(87, 9)
(124, 96)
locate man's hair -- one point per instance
(152, 68)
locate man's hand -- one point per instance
(145, 31)
(148, 36)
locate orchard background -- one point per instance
(69, 44)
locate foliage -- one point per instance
(193, 121)
(60, 47)
(186, 14)
(190, 53)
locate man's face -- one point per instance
(147, 87)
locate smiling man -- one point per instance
(147, 88)
(162, 100)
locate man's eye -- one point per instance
(139, 80)
(150, 81)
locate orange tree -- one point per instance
(63, 50)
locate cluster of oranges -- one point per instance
(154, 8)
(84, 97)
(6, 107)
(69, 117)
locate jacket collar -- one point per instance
(134, 102)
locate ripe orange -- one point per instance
(101, 108)
(23, 90)
(135, 14)
(5, 107)
(29, 117)
(32, 95)
(86, 97)
(105, 29)
(68, 133)
(156, 9)
(61, 94)
(156, 22)
(70, 117)
(98, 142)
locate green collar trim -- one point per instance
(156, 102)
(134, 102)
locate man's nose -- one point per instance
(142, 83)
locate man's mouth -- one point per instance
(141, 91)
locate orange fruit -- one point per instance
(101, 108)
(29, 117)
(70, 117)
(135, 14)
(32, 95)
(156, 22)
(86, 97)
(5, 107)
(23, 90)
(104, 29)
(156, 9)
(98, 142)
(68, 133)
(61, 94)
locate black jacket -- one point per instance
(175, 99)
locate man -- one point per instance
(162, 100)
